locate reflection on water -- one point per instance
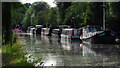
(58, 52)
(86, 51)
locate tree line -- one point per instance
(75, 14)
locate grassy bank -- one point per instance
(14, 56)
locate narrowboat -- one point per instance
(46, 31)
(96, 35)
(32, 31)
(38, 29)
(70, 33)
(28, 30)
(56, 32)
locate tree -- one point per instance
(96, 13)
(81, 13)
(62, 6)
(17, 11)
(53, 17)
(35, 14)
(7, 24)
(38, 6)
(75, 14)
(13, 13)
(27, 19)
(113, 15)
(41, 17)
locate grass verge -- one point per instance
(13, 55)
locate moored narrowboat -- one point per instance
(96, 35)
(28, 30)
(32, 31)
(56, 32)
(38, 29)
(46, 31)
(70, 33)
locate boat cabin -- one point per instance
(70, 33)
(89, 31)
(46, 31)
(28, 30)
(38, 29)
(56, 32)
(32, 30)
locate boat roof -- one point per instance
(69, 29)
(45, 28)
(32, 28)
(39, 25)
(62, 25)
(56, 29)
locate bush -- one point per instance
(13, 55)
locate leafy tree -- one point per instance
(75, 14)
(62, 6)
(53, 17)
(38, 9)
(7, 24)
(18, 11)
(13, 13)
(78, 14)
(113, 15)
(35, 14)
(38, 6)
(41, 18)
(96, 13)
(27, 19)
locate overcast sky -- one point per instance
(50, 2)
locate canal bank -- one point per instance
(13, 55)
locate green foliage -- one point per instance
(38, 6)
(14, 55)
(39, 13)
(41, 17)
(62, 6)
(36, 14)
(75, 14)
(81, 13)
(53, 17)
(26, 21)
(96, 15)
(113, 15)
(13, 13)
(116, 9)
(18, 12)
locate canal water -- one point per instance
(61, 52)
